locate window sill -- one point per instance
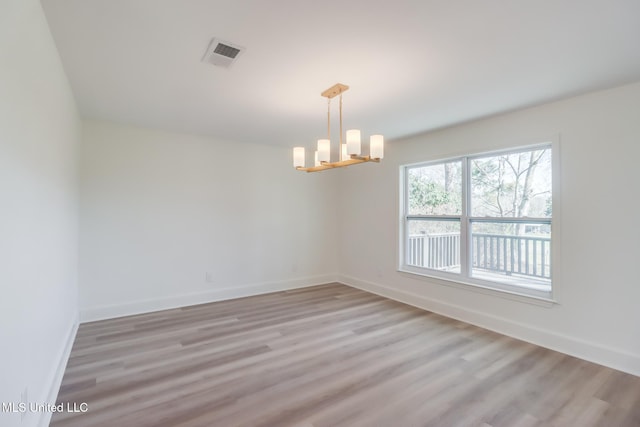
(452, 280)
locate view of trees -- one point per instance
(505, 186)
(513, 185)
(436, 190)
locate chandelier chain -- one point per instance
(340, 146)
(329, 118)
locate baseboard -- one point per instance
(56, 379)
(219, 294)
(596, 353)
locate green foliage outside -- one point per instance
(516, 185)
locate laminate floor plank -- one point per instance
(327, 356)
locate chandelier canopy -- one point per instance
(349, 152)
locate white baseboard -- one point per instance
(91, 314)
(56, 378)
(611, 357)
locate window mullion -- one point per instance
(405, 216)
(465, 228)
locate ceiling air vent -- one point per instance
(221, 53)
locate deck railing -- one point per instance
(508, 254)
(439, 251)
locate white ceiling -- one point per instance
(412, 65)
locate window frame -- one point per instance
(465, 278)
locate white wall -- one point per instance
(596, 278)
(39, 131)
(159, 210)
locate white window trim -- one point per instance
(521, 293)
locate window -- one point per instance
(483, 220)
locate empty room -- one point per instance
(317, 214)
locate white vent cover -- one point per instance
(221, 53)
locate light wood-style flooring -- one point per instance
(329, 355)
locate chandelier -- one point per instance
(349, 152)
